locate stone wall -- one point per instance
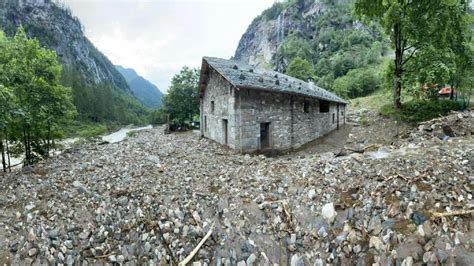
(221, 92)
(314, 124)
(290, 125)
(264, 107)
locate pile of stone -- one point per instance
(153, 197)
(457, 124)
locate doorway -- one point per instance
(264, 135)
(225, 128)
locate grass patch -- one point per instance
(132, 133)
(421, 110)
(373, 101)
(364, 121)
(87, 129)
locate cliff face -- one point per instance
(267, 33)
(57, 29)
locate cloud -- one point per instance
(158, 37)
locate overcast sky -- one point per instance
(158, 37)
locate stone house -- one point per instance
(257, 110)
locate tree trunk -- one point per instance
(30, 160)
(8, 152)
(49, 139)
(397, 88)
(25, 143)
(4, 164)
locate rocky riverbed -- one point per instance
(152, 197)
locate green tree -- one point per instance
(358, 82)
(7, 106)
(182, 102)
(7, 103)
(32, 76)
(414, 26)
(301, 69)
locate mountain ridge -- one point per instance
(145, 91)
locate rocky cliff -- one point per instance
(268, 32)
(55, 27)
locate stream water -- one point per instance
(122, 134)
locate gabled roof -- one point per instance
(245, 76)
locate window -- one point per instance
(212, 106)
(333, 118)
(306, 107)
(342, 113)
(323, 106)
(205, 123)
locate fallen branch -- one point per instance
(196, 249)
(363, 149)
(402, 177)
(289, 216)
(104, 256)
(454, 213)
(165, 243)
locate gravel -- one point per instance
(152, 197)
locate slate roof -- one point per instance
(245, 76)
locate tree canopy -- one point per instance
(430, 37)
(301, 69)
(181, 101)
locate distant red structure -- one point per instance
(447, 92)
(444, 92)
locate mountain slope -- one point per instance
(322, 32)
(269, 31)
(146, 92)
(93, 78)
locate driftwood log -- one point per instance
(196, 249)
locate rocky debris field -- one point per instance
(153, 197)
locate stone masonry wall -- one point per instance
(286, 114)
(221, 92)
(314, 124)
(264, 107)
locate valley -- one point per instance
(330, 137)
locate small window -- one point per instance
(323, 107)
(342, 113)
(212, 106)
(306, 107)
(333, 118)
(205, 123)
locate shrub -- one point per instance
(93, 131)
(422, 110)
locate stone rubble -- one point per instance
(151, 198)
